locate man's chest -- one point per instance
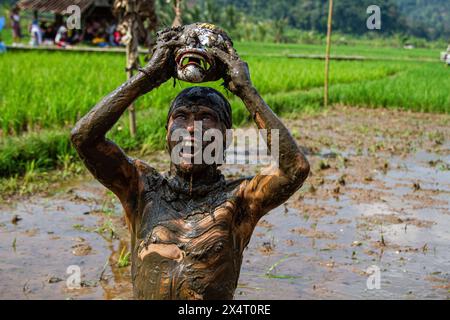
(193, 229)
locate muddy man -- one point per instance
(188, 227)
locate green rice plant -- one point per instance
(124, 258)
(43, 94)
(40, 148)
(270, 273)
(53, 90)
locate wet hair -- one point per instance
(204, 96)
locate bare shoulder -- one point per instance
(238, 185)
(146, 171)
(143, 167)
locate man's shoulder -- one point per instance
(143, 167)
(237, 183)
(147, 172)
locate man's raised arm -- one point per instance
(104, 159)
(274, 185)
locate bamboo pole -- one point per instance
(132, 56)
(131, 109)
(327, 55)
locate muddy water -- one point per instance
(405, 233)
(37, 252)
(389, 210)
(294, 253)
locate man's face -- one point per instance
(192, 143)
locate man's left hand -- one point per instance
(237, 77)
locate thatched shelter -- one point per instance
(90, 9)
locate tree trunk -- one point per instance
(178, 21)
(132, 16)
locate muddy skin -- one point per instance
(188, 227)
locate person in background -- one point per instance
(46, 37)
(88, 34)
(110, 30)
(61, 37)
(100, 40)
(15, 25)
(117, 37)
(36, 34)
(74, 36)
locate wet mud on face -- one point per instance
(378, 195)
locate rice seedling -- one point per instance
(124, 258)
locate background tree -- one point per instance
(137, 19)
(280, 27)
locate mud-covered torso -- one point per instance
(187, 243)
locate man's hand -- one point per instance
(161, 66)
(237, 77)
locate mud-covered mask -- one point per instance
(193, 62)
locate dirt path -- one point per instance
(378, 196)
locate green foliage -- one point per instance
(124, 258)
(304, 21)
(39, 150)
(427, 19)
(423, 19)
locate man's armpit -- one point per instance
(266, 192)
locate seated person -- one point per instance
(100, 40)
(61, 37)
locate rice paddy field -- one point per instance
(42, 94)
(377, 194)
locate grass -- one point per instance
(363, 50)
(52, 90)
(270, 273)
(42, 94)
(45, 150)
(124, 258)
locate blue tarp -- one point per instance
(2, 24)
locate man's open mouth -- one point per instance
(196, 57)
(190, 149)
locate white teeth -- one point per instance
(188, 155)
(201, 61)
